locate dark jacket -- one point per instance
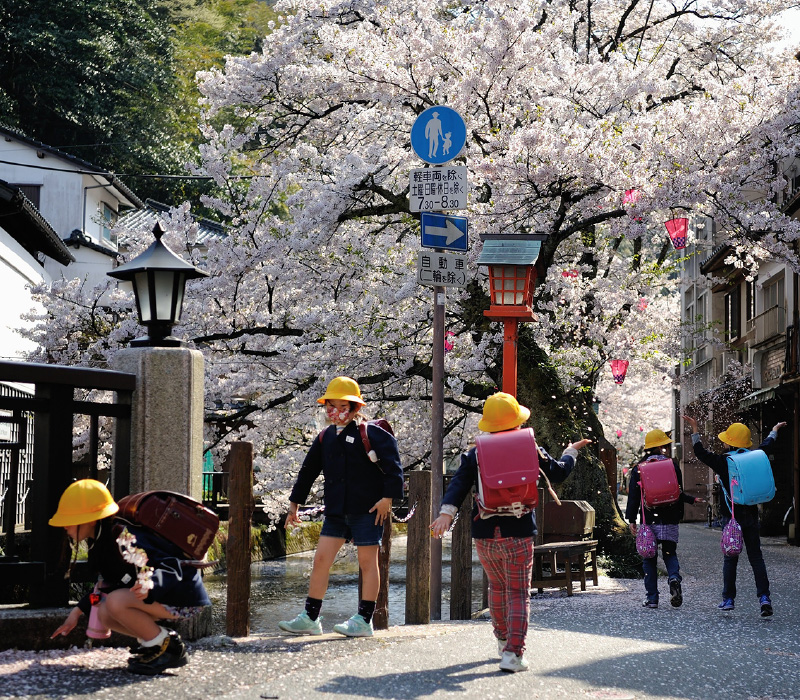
(668, 514)
(466, 478)
(176, 583)
(353, 484)
(719, 465)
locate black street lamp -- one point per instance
(158, 277)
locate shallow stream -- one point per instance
(279, 588)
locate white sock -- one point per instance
(155, 641)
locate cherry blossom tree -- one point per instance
(569, 104)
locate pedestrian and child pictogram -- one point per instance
(438, 135)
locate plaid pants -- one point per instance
(508, 562)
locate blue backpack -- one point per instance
(750, 477)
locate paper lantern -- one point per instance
(677, 229)
(631, 196)
(570, 273)
(619, 369)
(619, 433)
(448, 346)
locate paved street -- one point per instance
(597, 644)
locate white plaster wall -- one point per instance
(17, 270)
(62, 189)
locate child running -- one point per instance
(358, 499)
(504, 543)
(738, 436)
(86, 511)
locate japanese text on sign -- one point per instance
(438, 189)
(441, 269)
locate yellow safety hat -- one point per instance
(502, 412)
(344, 389)
(82, 502)
(737, 435)
(656, 438)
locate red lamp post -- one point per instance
(512, 279)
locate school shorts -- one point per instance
(360, 529)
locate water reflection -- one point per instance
(279, 588)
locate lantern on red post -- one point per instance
(678, 229)
(619, 368)
(512, 279)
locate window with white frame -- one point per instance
(107, 224)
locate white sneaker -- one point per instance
(501, 646)
(513, 663)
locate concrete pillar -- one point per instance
(166, 418)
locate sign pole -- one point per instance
(437, 446)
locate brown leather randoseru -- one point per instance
(176, 517)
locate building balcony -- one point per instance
(767, 325)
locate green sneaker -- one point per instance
(302, 624)
(356, 626)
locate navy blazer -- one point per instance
(466, 478)
(719, 465)
(175, 582)
(353, 484)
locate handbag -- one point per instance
(732, 539)
(646, 543)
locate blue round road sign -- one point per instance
(438, 135)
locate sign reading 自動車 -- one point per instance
(438, 189)
(441, 269)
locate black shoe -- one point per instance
(650, 604)
(675, 593)
(766, 606)
(171, 653)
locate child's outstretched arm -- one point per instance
(69, 624)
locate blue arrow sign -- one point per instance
(438, 135)
(445, 232)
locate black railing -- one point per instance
(54, 406)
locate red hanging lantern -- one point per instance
(631, 196)
(570, 273)
(619, 369)
(448, 345)
(619, 433)
(677, 229)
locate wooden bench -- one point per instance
(572, 556)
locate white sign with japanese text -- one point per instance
(438, 189)
(441, 269)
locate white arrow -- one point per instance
(450, 230)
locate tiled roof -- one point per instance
(25, 224)
(149, 214)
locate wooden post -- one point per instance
(380, 619)
(418, 553)
(240, 461)
(461, 564)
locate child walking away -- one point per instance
(143, 578)
(739, 438)
(359, 488)
(504, 536)
(664, 481)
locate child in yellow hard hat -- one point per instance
(663, 520)
(358, 499)
(504, 543)
(738, 436)
(125, 604)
